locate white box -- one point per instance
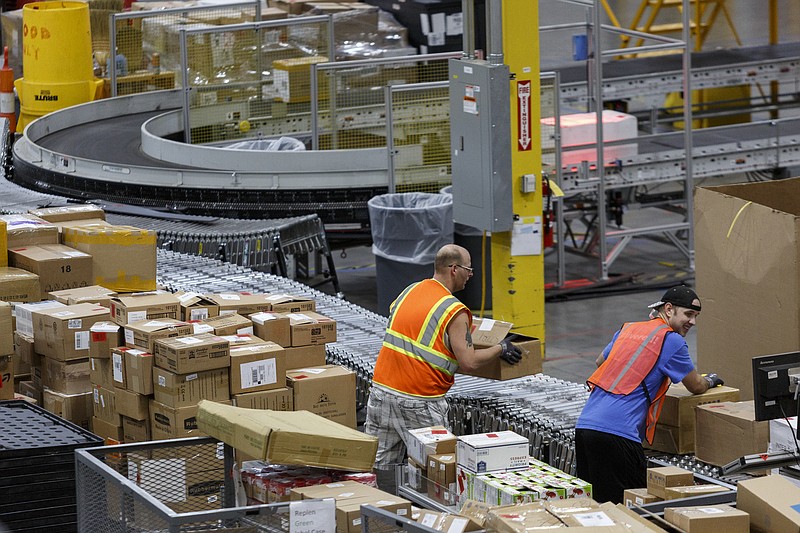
(24, 314)
(781, 435)
(491, 452)
(580, 128)
(430, 441)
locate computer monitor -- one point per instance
(774, 385)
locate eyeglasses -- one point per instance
(468, 269)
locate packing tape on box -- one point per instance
(730, 229)
(115, 236)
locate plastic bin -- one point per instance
(407, 231)
(471, 239)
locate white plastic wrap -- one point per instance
(283, 144)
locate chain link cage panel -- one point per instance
(377, 520)
(167, 486)
(253, 81)
(419, 122)
(352, 114)
(147, 44)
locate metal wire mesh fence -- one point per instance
(251, 80)
(143, 52)
(352, 113)
(418, 133)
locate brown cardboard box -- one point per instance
(244, 304)
(83, 222)
(76, 408)
(105, 405)
(173, 422)
(272, 327)
(447, 522)
(486, 332)
(124, 257)
(227, 324)
(305, 356)
(135, 430)
(728, 430)
(28, 230)
(348, 512)
(93, 294)
(23, 347)
(17, 285)
(132, 404)
(192, 353)
(69, 212)
(674, 493)
(434, 440)
(257, 368)
(110, 433)
(63, 333)
(292, 78)
(243, 339)
(31, 390)
(274, 400)
(441, 473)
(24, 314)
(708, 519)
(771, 503)
(59, 267)
(6, 329)
(747, 237)
(527, 515)
(3, 243)
(297, 437)
(67, 377)
(143, 335)
(118, 376)
(183, 390)
(100, 372)
(658, 479)
(155, 305)
(6, 377)
(672, 439)
(103, 336)
(638, 497)
(195, 306)
(139, 371)
(328, 391)
(287, 303)
(309, 327)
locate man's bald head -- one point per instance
(450, 254)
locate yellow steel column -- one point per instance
(518, 281)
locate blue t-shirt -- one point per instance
(626, 415)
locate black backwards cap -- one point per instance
(682, 296)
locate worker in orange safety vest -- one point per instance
(627, 394)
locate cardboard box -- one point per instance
(143, 335)
(23, 348)
(32, 391)
(257, 368)
(135, 430)
(118, 376)
(638, 497)
(195, 306)
(124, 257)
(311, 328)
(24, 314)
(728, 430)
(105, 405)
(100, 372)
(76, 408)
(492, 452)
(103, 336)
(69, 212)
(487, 332)
(417, 476)
(328, 391)
(441, 473)
(658, 479)
(3, 244)
(297, 437)
(192, 353)
(183, 390)
(287, 303)
(227, 324)
(771, 502)
(110, 433)
(708, 519)
(173, 422)
(427, 441)
(67, 377)
(138, 371)
(6, 377)
(93, 294)
(132, 404)
(59, 267)
(274, 400)
(64, 333)
(674, 493)
(84, 222)
(17, 285)
(273, 327)
(154, 305)
(292, 78)
(28, 230)
(305, 356)
(6, 329)
(244, 304)
(744, 234)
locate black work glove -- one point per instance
(510, 354)
(713, 380)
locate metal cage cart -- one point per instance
(37, 472)
(376, 520)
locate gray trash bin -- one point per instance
(470, 238)
(407, 231)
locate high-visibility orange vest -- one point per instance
(632, 357)
(414, 358)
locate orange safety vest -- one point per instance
(632, 357)
(414, 358)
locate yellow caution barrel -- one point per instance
(56, 59)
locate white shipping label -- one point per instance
(162, 381)
(593, 519)
(429, 520)
(710, 510)
(117, 365)
(458, 525)
(74, 323)
(136, 316)
(128, 336)
(258, 373)
(191, 377)
(62, 314)
(198, 313)
(455, 24)
(81, 340)
(187, 296)
(201, 328)
(486, 324)
(230, 296)
(189, 340)
(156, 324)
(245, 331)
(311, 370)
(75, 253)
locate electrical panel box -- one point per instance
(480, 139)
